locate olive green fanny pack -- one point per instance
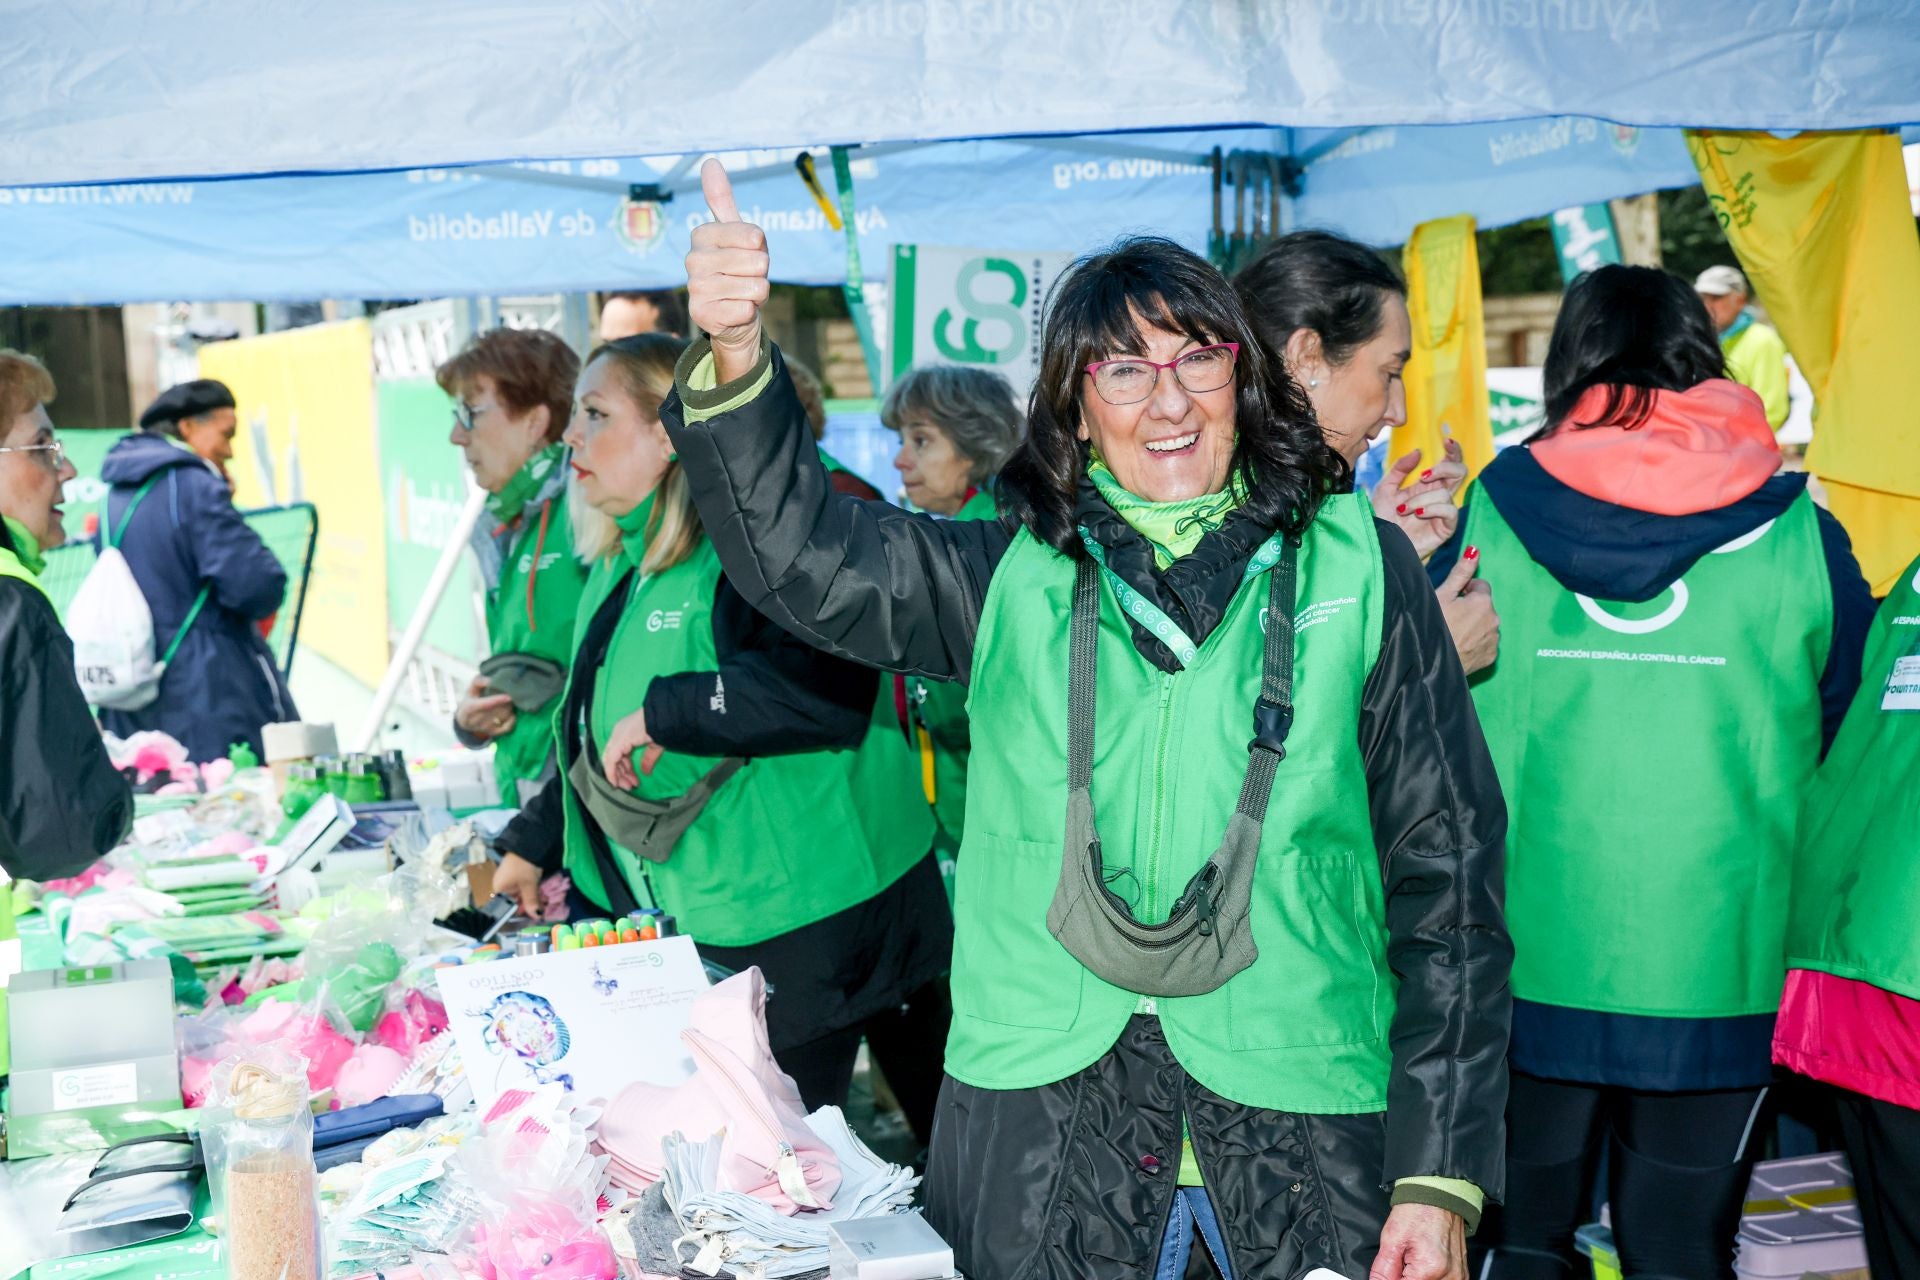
(1208, 936)
(530, 680)
(650, 828)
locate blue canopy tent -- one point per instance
(562, 226)
(261, 152)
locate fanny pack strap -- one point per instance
(1272, 713)
(649, 828)
(1207, 937)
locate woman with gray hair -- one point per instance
(956, 426)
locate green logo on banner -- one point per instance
(970, 350)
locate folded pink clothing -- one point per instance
(1850, 1033)
(738, 1090)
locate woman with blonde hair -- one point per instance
(715, 767)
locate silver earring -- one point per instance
(1313, 382)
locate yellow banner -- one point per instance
(306, 435)
(1824, 230)
(1447, 376)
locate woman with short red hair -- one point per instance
(512, 394)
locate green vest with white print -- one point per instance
(1654, 757)
(788, 840)
(1305, 1027)
(1856, 884)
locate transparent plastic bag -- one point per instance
(258, 1140)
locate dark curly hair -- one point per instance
(1095, 313)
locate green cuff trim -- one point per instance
(1452, 1194)
(701, 395)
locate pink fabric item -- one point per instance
(228, 844)
(196, 1076)
(100, 875)
(418, 1019)
(1850, 1033)
(304, 1032)
(1701, 449)
(540, 1239)
(217, 773)
(367, 1075)
(769, 1151)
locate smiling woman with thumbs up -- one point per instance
(1254, 1001)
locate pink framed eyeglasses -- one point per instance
(1132, 380)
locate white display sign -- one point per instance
(977, 307)
(593, 1020)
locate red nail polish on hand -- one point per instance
(1419, 511)
(1427, 474)
(1473, 553)
(1400, 510)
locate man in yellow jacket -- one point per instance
(1755, 355)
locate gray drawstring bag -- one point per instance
(650, 828)
(1207, 938)
(529, 679)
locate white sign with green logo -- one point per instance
(971, 307)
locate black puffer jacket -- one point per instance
(905, 593)
(62, 806)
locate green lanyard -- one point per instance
(1152, 617)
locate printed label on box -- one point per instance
(109, 1086)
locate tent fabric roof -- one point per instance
(183, 89)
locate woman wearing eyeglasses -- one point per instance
(62, 805)
(1229, 961)
(513, 393)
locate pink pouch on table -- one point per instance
(768, 1151)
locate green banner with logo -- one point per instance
(424, 483)
(972, 307)
(1584, 238)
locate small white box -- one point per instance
(293, 740)
(900, 1246)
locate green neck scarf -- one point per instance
(1174, 528)
(26, 547)
(507, 504)
(633, 530)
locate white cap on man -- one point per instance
(1717, 282)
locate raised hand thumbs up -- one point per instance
(727, 277)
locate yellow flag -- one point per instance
(1823, 227)
(306, 399)
(1447, 376)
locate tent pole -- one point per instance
(422, 615)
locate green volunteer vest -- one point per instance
(1305, 1027)
(941, 708)
(540, 624)
(1856, 884)
(1654, 757)
(789, 839)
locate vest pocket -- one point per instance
(1321, 968)
(1007, 969)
